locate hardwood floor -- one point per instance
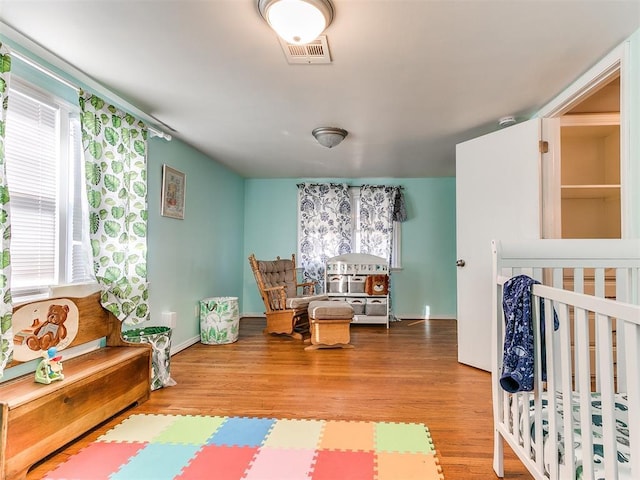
(408, 373)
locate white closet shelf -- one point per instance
(591, 191)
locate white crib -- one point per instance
(593, 358)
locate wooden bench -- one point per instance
(37, 419)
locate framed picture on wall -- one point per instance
(173, 192)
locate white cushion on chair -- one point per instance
(302, 302)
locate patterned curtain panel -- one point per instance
(115, 145)
(6, 306)
(324, 229)
(377, 204)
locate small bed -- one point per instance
(578, 303)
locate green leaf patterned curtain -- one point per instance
(115, 146)
(6, 306)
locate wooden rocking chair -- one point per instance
(286, 311)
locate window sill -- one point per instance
(56, 291)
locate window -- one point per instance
(45, 181)
(396, 263)
(329, 224)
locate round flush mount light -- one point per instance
(297, 21)
(329, 136)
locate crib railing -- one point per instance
(595, 353)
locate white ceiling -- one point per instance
(409, 78)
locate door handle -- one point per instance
(460, 263)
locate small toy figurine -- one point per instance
(50, 367)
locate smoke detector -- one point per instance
(506, 121)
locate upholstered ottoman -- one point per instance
(329, 323)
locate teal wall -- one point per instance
(197, 257)
(428, 275)
(269, 230)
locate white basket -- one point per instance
(219, 320)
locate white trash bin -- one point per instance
(219, 320)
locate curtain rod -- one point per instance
(353, 186)
(153, 130)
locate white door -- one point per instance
(497, 197)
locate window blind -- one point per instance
(32, 142)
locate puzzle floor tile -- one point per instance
(138, 428)
(408, 466)
(281, 464)
(241, 431)
(159, 447)
(341, 435)
(331, 465)
(219, 462)
(192, 430)
(111, 457)
(157, 461)
(402, 437)
(295, 434)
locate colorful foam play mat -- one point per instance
(231, 448)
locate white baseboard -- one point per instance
(186, 344)
(420, 316)
(193, 340)
(252, 315)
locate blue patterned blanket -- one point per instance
(518, 355)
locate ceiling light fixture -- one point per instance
(297, 21)
(329, 136)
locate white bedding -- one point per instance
(622, 434)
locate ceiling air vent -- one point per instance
(314, 52)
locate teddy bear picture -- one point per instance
(43, 325)
(51, 331)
